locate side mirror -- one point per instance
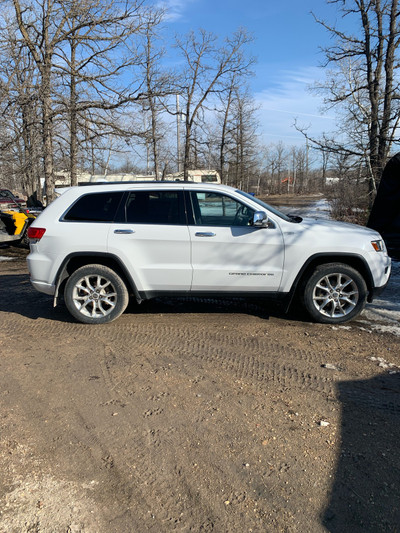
(260, 219)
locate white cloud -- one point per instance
(287, 99)
(175, 9)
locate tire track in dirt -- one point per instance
(142, 484)
(247, 358)
(144, 479)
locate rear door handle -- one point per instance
(124, 231)
(204, 234)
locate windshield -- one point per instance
(265, 206)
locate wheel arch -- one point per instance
(79, 259)
(353, 260)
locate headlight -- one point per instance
(378, 246)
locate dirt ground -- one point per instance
(193, 416)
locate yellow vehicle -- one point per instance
(14, 225)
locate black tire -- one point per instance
(334, 293)
(95, 294)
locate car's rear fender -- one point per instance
(78, 259)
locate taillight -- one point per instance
(36, 233)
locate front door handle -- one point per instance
(204, 234)
(124, 231)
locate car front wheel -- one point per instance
(334, 293)
(95, 294)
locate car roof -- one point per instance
(131, 185)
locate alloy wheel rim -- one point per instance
(94, 296)
(335, 295)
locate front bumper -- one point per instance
(376, 291)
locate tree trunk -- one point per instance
(73, 141)
(223, 134)
(47, 132)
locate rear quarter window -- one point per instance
(94, 207)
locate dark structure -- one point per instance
(385, 213)
(365, 493)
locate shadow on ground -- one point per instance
(366, 491)
(18, 296)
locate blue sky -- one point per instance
(287, 47)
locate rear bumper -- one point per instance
(44, 287)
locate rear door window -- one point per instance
(155, 207)
(95, 207)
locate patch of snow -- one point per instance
(383, 314)
(3, 258)
(383, 363)
(318, 209)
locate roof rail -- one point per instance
(163, 182)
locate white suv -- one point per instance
(99, 244)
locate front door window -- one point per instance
(215, 209)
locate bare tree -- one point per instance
(158, 86)
(206, 68)
(46, 27)
(364, 83)
(226, 100)
(101, 50)
(276, 159)
(243, 158)
(20, 121)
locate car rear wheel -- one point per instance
(95, 294)
(334, 293)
